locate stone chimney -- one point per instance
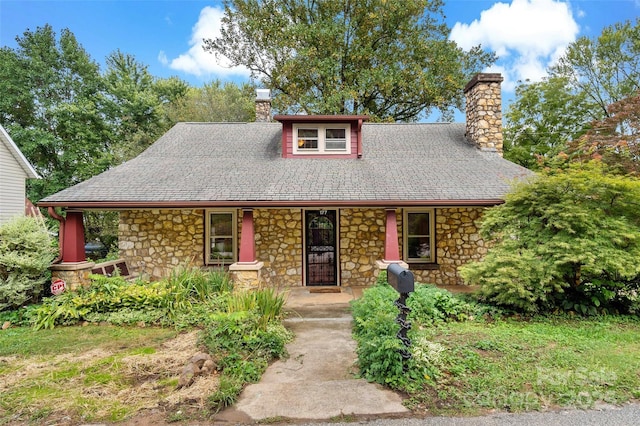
(484, 111)
(263, 105)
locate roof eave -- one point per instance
(18, 155)
(123, 205)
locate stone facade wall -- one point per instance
(457, 243)
(278, 237)
(484, 111)
(361, 239)
(154, 242)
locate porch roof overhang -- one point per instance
(127, 205)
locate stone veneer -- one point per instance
(263, 110)
(278, 237)
(362, 234)
(484, 111)
(155, 241)
(457, 243)
(74, 274)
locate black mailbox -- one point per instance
(400, 278)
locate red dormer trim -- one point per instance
(288, 121)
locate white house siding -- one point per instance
(12, 185)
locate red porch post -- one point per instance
(246, 273)
(247, 241)
(73, 246)
(391, 248)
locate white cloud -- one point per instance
(527, 35)
(162, 58)
(198, 62)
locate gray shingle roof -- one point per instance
(241, 162)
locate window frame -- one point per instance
(322, 138)
(208, 240)
(431, 235)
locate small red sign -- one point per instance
(58, 286)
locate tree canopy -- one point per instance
(57, 124)
(215, 102)
(390, 59)
(615, 139)
(569, 239)
(590, 76)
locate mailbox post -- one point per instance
(402, 280)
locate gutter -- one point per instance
(124, 205)
(359, 141)
(56, 216)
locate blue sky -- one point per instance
(165, 34)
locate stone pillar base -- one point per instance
(382, 265)
(74, 274)
(246, 275)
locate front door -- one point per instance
(320, 247)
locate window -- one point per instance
(322, 139)
(419, 236)
(220, 244)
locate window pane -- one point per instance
(336, 144)
(308, 143)
(222, 224)
(419, 248)
(336, 134)
(308, 133)
(221, 249)
(418, 224)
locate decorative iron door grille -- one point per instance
(320, 247)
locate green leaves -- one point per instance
(557, 233)
(390, 59)
(26, 252)
(592, 75)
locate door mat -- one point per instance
(325, 290)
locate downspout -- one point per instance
(56, 216)
(359, 141)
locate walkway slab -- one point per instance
(317, 380)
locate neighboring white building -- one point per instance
(14, 171)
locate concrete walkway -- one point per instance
(318, 380)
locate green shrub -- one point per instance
(26, 252)
(569, 239)
(242, 348)
(187, 297)
(430, 304)
(375, 331)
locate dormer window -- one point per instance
(320, 138)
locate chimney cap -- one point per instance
(263, 94)
(493, 77)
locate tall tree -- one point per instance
(591, 75)
(615, 139)
(390, 59)
(215, 102)
(59, 126)
(134, 104)
(606, 69)
(542, 119)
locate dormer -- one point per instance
(321, 136)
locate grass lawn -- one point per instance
(516, 365)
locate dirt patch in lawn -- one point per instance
(136, 385)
